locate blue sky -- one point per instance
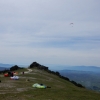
(40, 30)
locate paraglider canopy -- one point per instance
(14, 78)
(36, 85)
(6, 75)
(71, 23)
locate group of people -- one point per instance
(11, 74)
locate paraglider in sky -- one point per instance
(71, 24)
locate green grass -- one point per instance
(60, 89)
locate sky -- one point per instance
(50, 32)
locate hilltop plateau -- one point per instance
(61, 88)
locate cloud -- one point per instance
(40, 30)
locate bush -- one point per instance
(14, 68)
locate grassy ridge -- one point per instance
(60, 89)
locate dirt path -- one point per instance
(29, 70)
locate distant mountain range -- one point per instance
(88, 76)
(5, 66)
(83, 68)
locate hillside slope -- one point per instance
(89, 79)
(60, 89)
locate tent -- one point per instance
(36, 85)
(14, 78)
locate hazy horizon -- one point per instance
(51, 66)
